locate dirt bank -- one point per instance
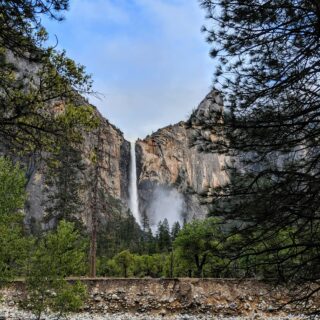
(219, 297)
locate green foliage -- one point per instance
(14, 248)
(65, 170)
(124, 260)
(175, 230)
(70, 298)
(126, 264)
(41, 104)
(21, 29)
(198, 240)
(120, 232)
(163, 236)
(13, 244)
(267, 55)
(12, 188)
(57, 255)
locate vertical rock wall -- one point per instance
(168, 159)
(114, 176)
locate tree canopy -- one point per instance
(21, 30)
(268, 68)
(197, 241)
(39, 86)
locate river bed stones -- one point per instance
(198, 298)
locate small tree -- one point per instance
(163, 236)
(58, 255)
(12, 188)
(13, 244)
(197, 241)
(175, 230)
(124, 259)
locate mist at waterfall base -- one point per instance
(165, 203)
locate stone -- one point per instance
(114, 297)
(247, 306)
(163, 312)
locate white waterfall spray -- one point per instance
(133, 189)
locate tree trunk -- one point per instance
(200, 264)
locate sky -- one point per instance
(148, 58)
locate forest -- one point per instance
(263, 224)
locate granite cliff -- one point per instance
(114, 164)
(113, 177)
(169, 166)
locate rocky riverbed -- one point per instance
(13, 313)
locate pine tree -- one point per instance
(95, 208)
(59, 254)
(175, 230)
(21, 29)
(13, 243)
(163, 236)
(197, 241)
(65, 170)
(29, 98)
(268, 69)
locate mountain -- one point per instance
(113, 178)
(173, 173)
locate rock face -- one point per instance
(167, 161)
(113, 176)
(114, 163)
(171, 172)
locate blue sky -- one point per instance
(148, 58)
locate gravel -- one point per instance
(16, 314)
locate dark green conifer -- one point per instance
(64, 177)
(163, 236)
(268, 59)
(175, 230)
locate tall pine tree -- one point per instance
(268, 68)
(64, 177)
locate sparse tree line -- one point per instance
(198, 249)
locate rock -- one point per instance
(168, 166)
(233, 306)
(271, 308)
(184, 289)
(11, 303)
(163, 312)
(247, 306)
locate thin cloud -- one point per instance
(148, 58)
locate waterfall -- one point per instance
(133, 189)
